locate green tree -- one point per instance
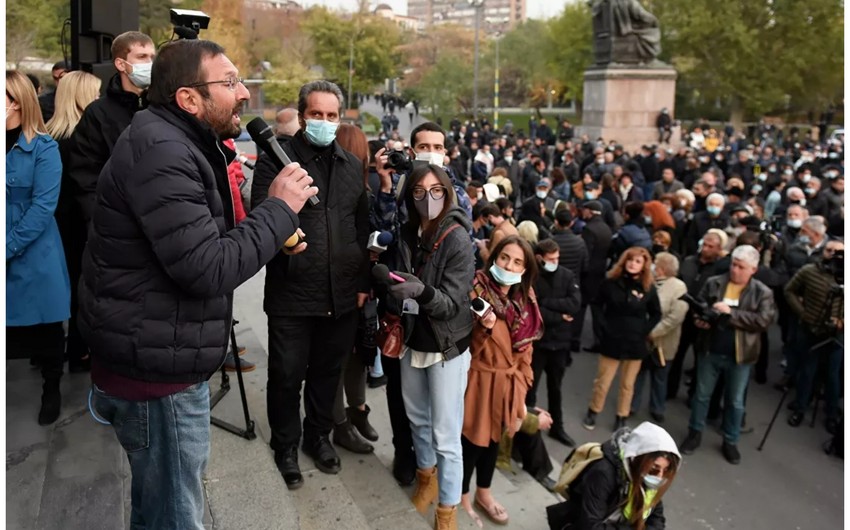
(569, 49)
(756, 56)
(34, 27)
(371, 40)
(284, 82)
(446, 86)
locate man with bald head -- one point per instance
(286, 122)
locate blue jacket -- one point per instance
(38, 290)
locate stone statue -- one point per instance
(624, 32)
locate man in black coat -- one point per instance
(47, 101)
(597, 237)
(106, 118)
(559, 298)
(573, 256)
(313, 289)
(163, 259)
(714, 216)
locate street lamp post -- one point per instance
(476, 5)
(350, 70)
(496, 90)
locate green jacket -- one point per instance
(807, 294)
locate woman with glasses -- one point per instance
(622, 489)
(38, 292)
(501, 373)
(435, 266)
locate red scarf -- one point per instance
(524, 320)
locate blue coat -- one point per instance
(37, 287)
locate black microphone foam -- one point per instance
(262, 134)
(478, 304)
(381, 273)
(385, 238)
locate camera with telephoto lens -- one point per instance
(399, 161)
(703, 311)
(836, 266)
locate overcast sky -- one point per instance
(536, 8)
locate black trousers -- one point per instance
(674, 377)
(531, 451)
(402, 437)
(72, 230)
(482, 460)
(45, 343)
(554, 363)
(578, 325)
(307, 349)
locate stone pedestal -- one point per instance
(622, 103)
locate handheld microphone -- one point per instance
(379, 240)
(244, 161)
(480, 307)
(381, 273)
(263, 136)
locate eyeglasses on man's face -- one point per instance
(437, 193)
(231, 83)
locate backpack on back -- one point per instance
(576, 462)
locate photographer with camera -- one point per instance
(816, 295)
(738, 308)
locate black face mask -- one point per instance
(658, 248)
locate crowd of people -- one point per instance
(456, 269)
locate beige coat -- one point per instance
(667, 333)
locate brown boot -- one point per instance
(426, 489)
(445, 518)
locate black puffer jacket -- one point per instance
(597, 238)
(163, 257)
(558, 294)
(324, 279)
(629, 315)
(574, 254)
(94, 138)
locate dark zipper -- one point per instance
(229, 191)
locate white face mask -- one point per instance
(431, 157)
(141, 76)
(541, 194)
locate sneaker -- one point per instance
(589, 421)
(376, 382)
(244, 365)
(731, 454)
(619, 423)
(691, 442)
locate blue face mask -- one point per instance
(504, 277)
(804, 240)
(320, 132)
(550, 267)
(589, 195)
(651, 482)
(714, 211)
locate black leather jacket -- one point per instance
(754, 314)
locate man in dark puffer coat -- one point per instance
(162, 261)
(313, 290)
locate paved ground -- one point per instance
(73, 475)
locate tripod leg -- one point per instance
(773, 419)
(249, 425)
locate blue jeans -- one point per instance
(657, 387)
(807, 368)
(709, 368)
(167, 441)
(377, 369)
(433, 398)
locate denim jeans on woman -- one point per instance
(167, 441)
(433, 398)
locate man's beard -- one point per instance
(221, 120)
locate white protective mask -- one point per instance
(431, 157)
(141, 76)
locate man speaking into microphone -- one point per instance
(163, 258)
(313, 289)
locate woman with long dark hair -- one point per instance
(630, 310)
(38, 292)
(501, 373)
(434, 275)
(625, 487)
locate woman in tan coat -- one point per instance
(500, 374)
(664, 336)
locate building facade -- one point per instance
(434, 12)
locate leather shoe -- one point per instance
(731, 454)
(596, 348)
(287, 464)
(558, 433)
(795, 419)
(404, 468)
(346, 436)
(547, 483)
(376, 382)
(657, 417)
(360, 420)
(690, 444)
(323, 454)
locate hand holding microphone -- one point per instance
(401, 285)
(484, 311)
(293, 186)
